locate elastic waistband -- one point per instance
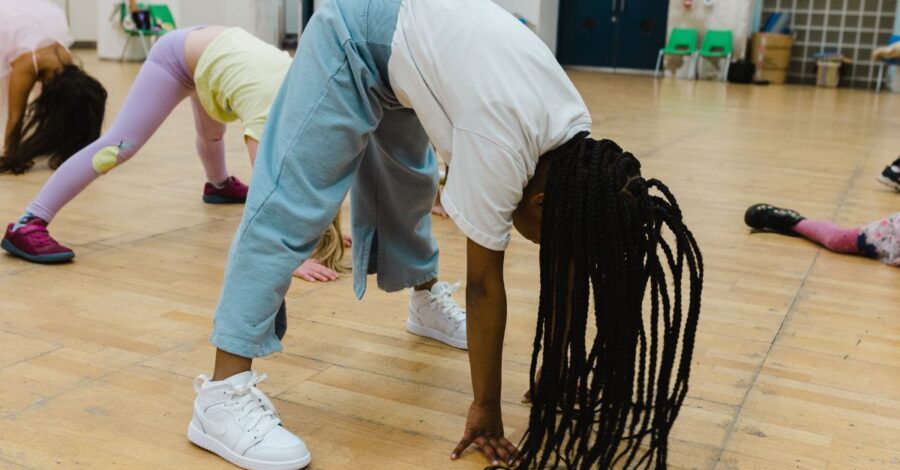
(168, 52)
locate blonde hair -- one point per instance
(330, 250)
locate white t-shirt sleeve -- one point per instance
(484, 185)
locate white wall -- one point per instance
(542, 17)
(290, 16)
(262, 18)
(82, 16)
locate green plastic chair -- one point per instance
(717, 44)
(160, 15)
(683, 42)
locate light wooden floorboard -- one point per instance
(797, 360)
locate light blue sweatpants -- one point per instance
(334, 122)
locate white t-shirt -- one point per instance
(492, 99)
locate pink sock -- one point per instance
(829, 235)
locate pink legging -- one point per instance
(162, 83)
(829, 235)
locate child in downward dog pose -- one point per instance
(879, 239)
(374, 81)
(228, 75)
(68, 113)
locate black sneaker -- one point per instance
(891, 175)
(775, 219)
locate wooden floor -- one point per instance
(797, 361)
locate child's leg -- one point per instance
(152, 97)
(391, 204)
(210, 143)
(318, 127)
(829, 235)
(438, 207)
(392, 200)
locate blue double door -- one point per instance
(612, 33)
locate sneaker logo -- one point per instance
(220, 429)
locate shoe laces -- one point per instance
(255, 413)
(444, 300)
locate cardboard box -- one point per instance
(771, 54)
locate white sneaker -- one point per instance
(434, 314)
(236, 421)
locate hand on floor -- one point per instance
(312, 271)
(484, 428)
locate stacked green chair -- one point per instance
(717, 45)
(682, 42)
(160, 17)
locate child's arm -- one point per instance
(311, 270)
(252, 148)
(21, 81)
(485, 326)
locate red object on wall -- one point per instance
(688, 4)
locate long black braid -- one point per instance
(611, 400)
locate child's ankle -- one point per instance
(26, 217)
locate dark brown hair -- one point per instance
(66, 117)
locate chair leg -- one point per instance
(125, 47)
(695, 70)
(727, 67)
(880, 77)
(144, 44)
(658, 62)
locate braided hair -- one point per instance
(607, 395)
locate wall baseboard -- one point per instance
(619, 70)
(84, 45)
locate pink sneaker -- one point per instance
(233, 191)
(33, 242)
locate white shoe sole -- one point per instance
(421, 330)
(889, 182)
(205, 441)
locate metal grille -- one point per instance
(852, 27)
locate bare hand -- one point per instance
(312, 270)
(347, 240)
(484, 428)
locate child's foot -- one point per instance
(891, 175)
(438, 209)
(32, 241)
(776, 219)
(235, 420)
(434, 314)
(230, 191)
